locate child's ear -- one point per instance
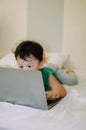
(42, 63)
(44, 57)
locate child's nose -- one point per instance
(25, 68)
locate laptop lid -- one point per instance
(22, 87)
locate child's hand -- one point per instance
(55, 94)
(52, 95)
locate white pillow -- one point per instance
(58, 59)
(8, 61)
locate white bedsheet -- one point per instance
(69, 114)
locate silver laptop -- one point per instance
(24, 88)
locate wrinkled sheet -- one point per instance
(68, 114)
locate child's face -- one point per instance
(29, 63)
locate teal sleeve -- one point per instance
(46, 72)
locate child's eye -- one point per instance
(29, 66)
(21, 66)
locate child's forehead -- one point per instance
(30, 57)
(26, 57)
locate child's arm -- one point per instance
(57, 90)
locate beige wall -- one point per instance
(39, 20)
(13, 23)
(74, 31)
(45, 23)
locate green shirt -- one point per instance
(46, 72)
(60, 75)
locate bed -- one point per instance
(68, 114)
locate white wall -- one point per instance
(45, 22)
(13, 23)
(39, 20)
(74, 31)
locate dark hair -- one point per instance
(26, 48)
